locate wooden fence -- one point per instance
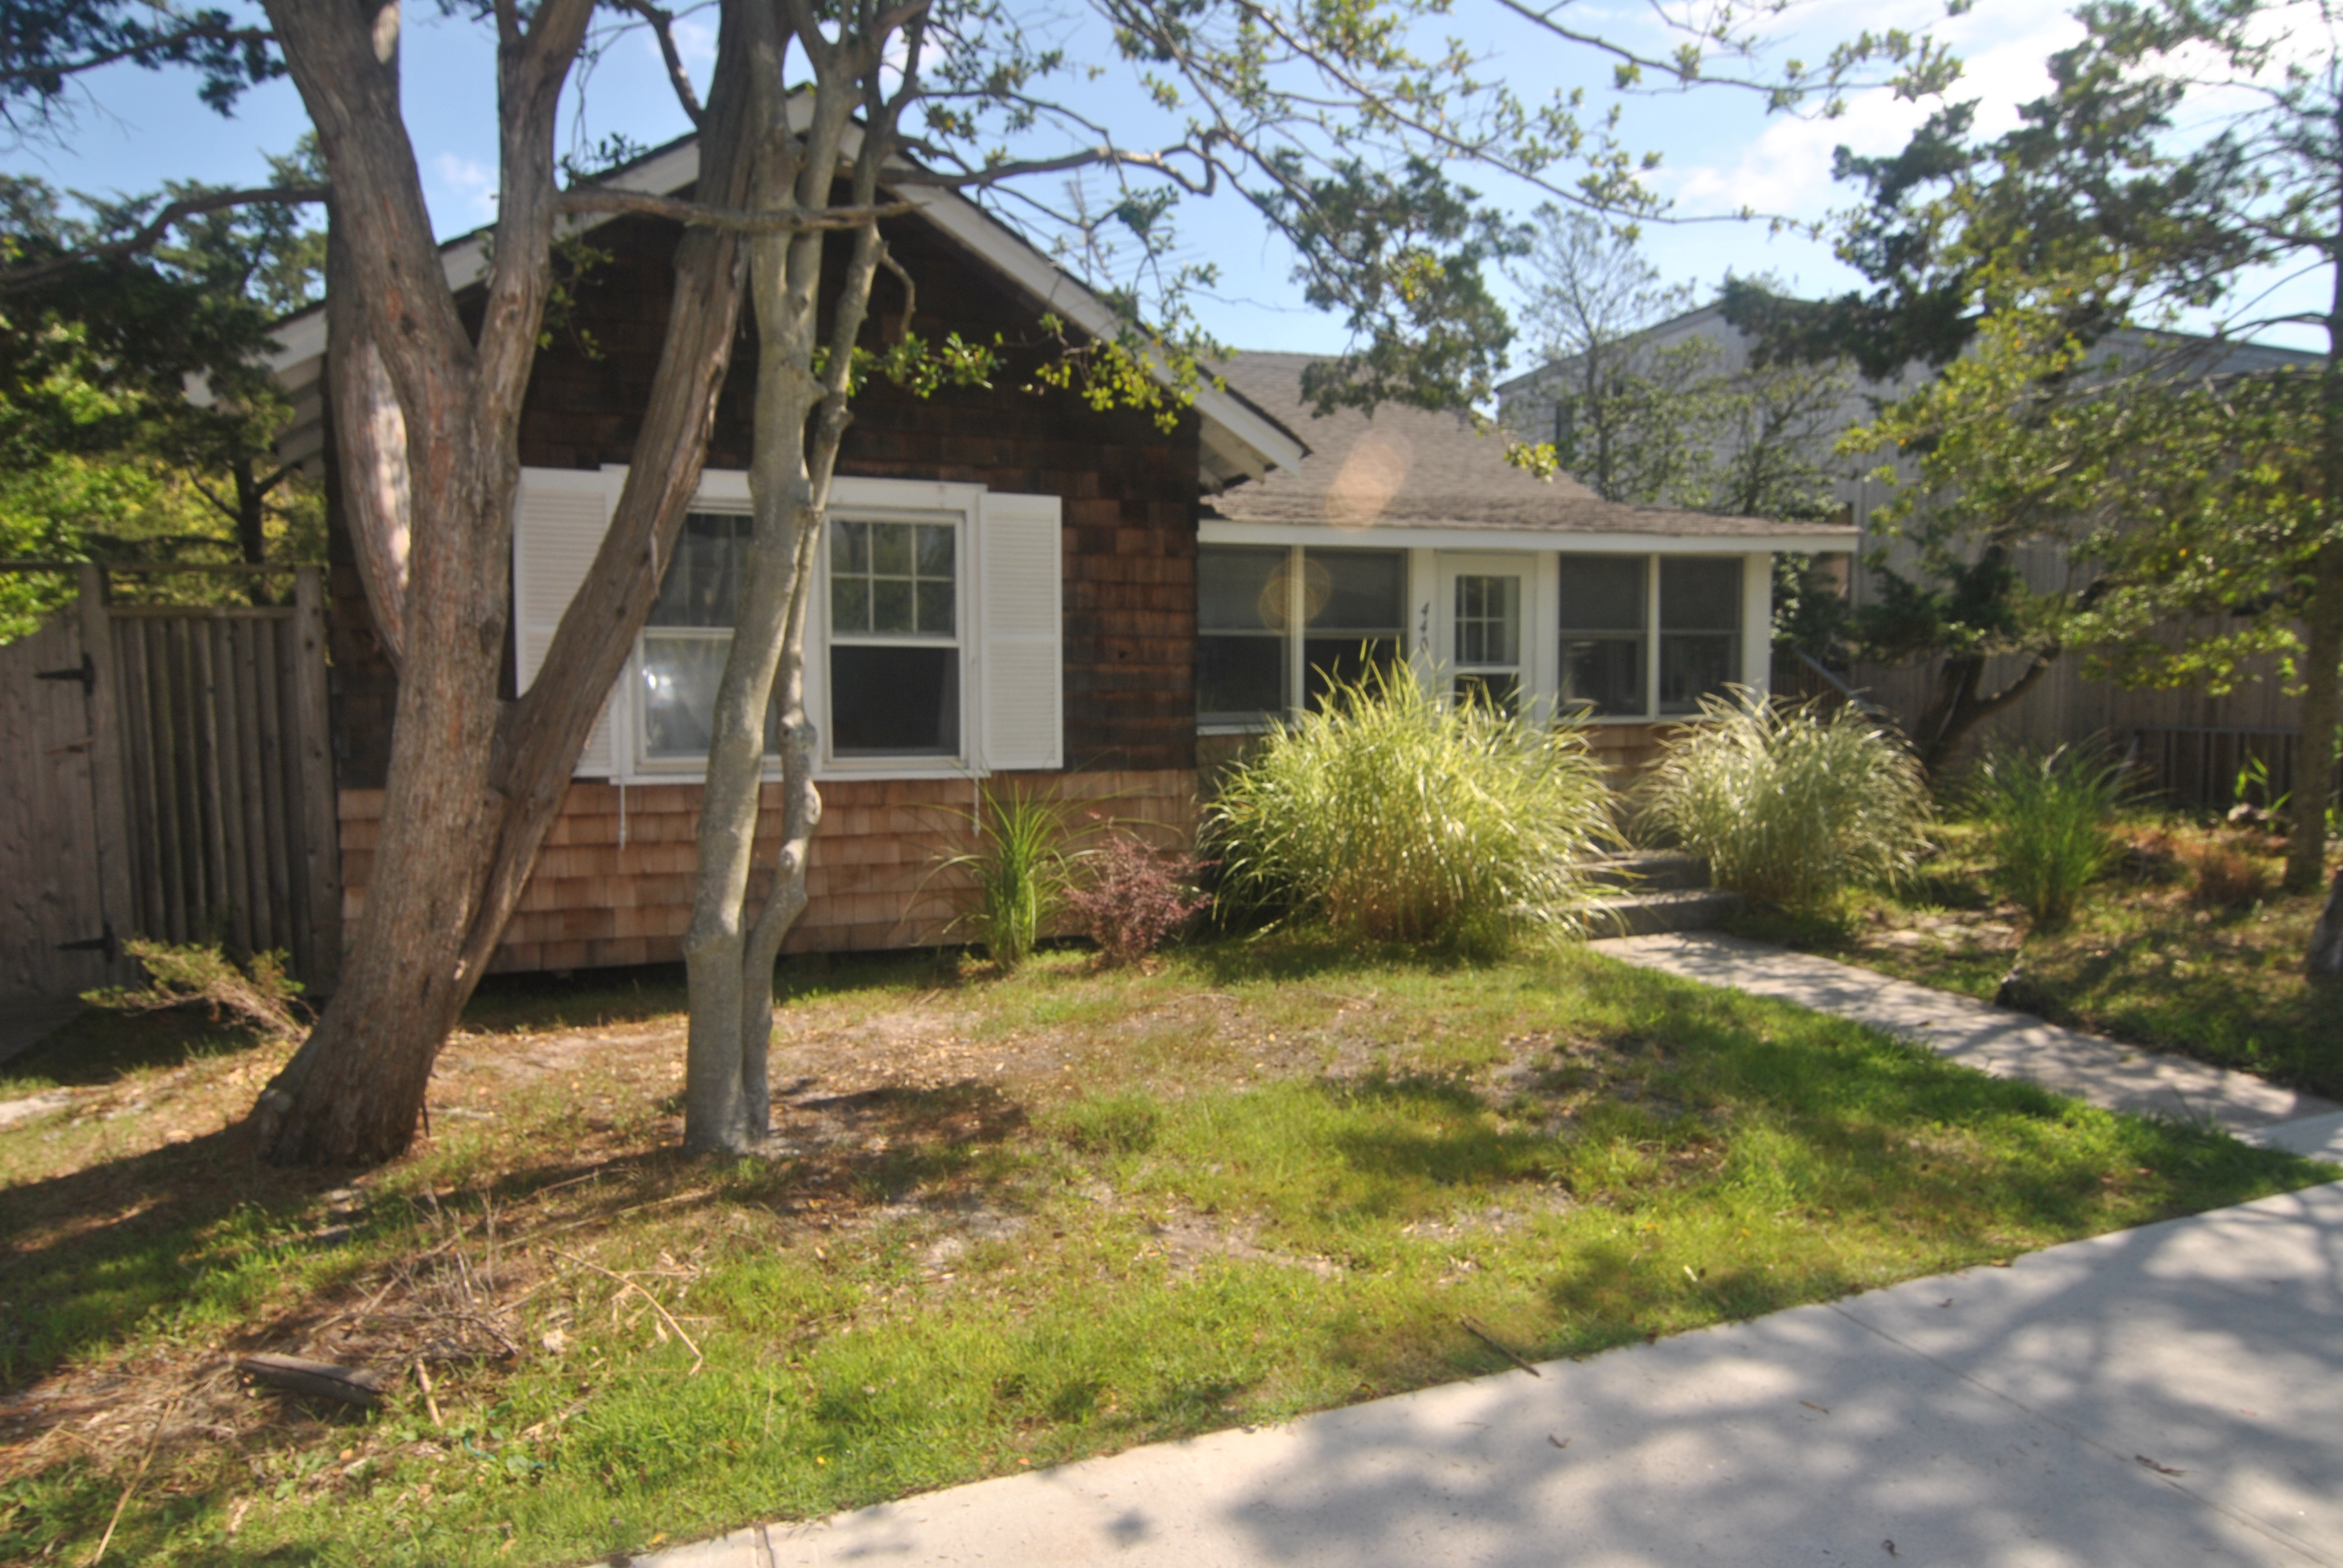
(193, 802)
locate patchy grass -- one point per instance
(2185, 946)
(1004, 1222)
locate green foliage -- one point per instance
(1020, 869)
(1396, 818)
(2049, 825)
(1790, 804)
(259, 995)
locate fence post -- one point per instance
(108, 770)
(319, 844)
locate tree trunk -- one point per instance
(800, 421)
(2322, 706)
(2326, 960)
(1958, 708)
(474, 783)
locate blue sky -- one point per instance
(1719, 149)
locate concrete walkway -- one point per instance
(2001, 1042)
(2168, 1395)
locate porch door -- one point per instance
(1483, 649)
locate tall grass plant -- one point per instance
(1396, 818)
(2049, 824)
(1790, 804)
(1020, 868)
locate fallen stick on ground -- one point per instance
(1473, 1327)
(136, 1477)
(319, 1380)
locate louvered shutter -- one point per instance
(559, 521)
(1019, 662)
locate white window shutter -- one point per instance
(1020, 680)
(559, 519)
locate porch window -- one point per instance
(1276, 629)
(1700, 629)
(1605, 619)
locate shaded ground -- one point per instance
(2188, 945)
(1003, 1223)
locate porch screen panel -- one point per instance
(1354, 617)
(1606, 612)
(1241, 633)
(1020, 678)
(559, 516)
(1700, 628)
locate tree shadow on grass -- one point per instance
(100, 1046)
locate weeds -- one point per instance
(1790, 805)
(1395, 817)
(2049, 825)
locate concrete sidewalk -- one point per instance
(2168, 1395)
(1997, 1040)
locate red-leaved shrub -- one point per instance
(1134, 896)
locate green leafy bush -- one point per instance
(1396, 818)
(2049, 824)
(1021, 868)
(1790, 804)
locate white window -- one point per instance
(934, 641)
(1277, 627)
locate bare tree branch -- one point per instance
(662, 26)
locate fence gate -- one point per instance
(174, 781)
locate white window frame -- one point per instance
(856, 499)
(1431, 551)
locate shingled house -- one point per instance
(1015, 584)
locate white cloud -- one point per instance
(463, 189)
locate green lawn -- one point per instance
(2148, 958)
(1010, 1223)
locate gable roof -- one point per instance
(1404, 468)
(1240, 439)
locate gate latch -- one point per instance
(85, 672)
(102, 943)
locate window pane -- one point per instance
(935, 551)
(850, 547)
(701, 586)
(1357, 590)
(1603, 593)
(1698, 595)
(1602, 674)
(1327, 660)
(894, 702)
(935, 601)
(850, 603)
(1488, 619)
(890, 548)
(890, 605)
(1693, 667)
(1239, 679)
(1239, 589)
(679, 677)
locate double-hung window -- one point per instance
(894, 638)
(680, 658)
(1277, 627)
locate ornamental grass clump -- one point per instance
(1790, 805)
(1020, 869)
(1396, 818)
(2049, 825)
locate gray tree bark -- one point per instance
(2326, 960)
(800, 419)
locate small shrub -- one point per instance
(1021, 868)
(1790, 804)
(260, 996)
(2049, 825)
(1395, 816)
(2223, 877)
(1134, 896)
